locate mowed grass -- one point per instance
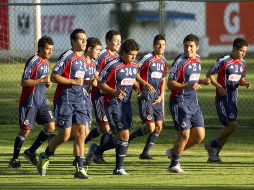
(10, 91)
(236, 172)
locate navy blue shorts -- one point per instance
(119, 115)
(99, 111)
(226, 110)
(186, 116)
(148, 112)
(89, 107)
(29, 115)
(67, 114)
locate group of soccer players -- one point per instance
(88, 77)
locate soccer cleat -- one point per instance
(145, 157)
(175, 169)
(31, 157)
(42, 165)
(91, 155)
(169, 153)
(214, 159)
(213, 153)
(81, 174)
(99, 160)
(14, 163)
(120, 172)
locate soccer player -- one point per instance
(33, 106)
(230, 70)
(153, 68)
(184, 81)
(117, 80)
(69, 104)
(113, 42)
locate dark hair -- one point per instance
(129, 45)
(110, 34)
(158, 38)
(92, 42)
(43, 41)
(239, 43)
(192, 38)
(75, 32)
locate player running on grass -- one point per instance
(184, 81)
(69, 102)
(33, 106)
(113, 42)
(153, 67)
(117, 80)
(230, 70)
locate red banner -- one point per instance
(4, 26)
(227, 21)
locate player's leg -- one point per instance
(197, 135)
(26, 123)
(158, 117)
(80, 132)
(44, 117)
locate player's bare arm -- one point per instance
(222, 91)
(33, 82)
(62, 80)
(205, 81)
(162, 89)
(119, 94)
(174, 85)
(245, 83)
(149, 87)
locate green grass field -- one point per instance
(236, 172)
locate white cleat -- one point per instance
(120, 172)
(175, 169)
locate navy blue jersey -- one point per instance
(89, 74)
(70, 66)
(35, 68)
(119, 76)
(152, 70)
(185, 71)
(229, 71)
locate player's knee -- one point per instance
(24, 132)
(105, 128)
(50, 127)
(233, 126)
(199, 139)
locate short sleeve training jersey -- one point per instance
(229, 71)
(35, 68)
(89, 74)
(70, 66)
(185, 71)
(152, 70)
(119, 76)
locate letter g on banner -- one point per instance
(231, 18)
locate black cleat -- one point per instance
(145, 157)
(99, 160)
(14, 163)
(31, 157)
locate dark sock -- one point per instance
(93, 134)
(48, 153)
(105, 137)
(17, 146)
(215, 144)
(80, 161)
(138, 133)
(106, 146)
(121, 151)
(149, 143)
(42, 137)
(174, 160)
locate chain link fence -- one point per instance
(216, 23)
